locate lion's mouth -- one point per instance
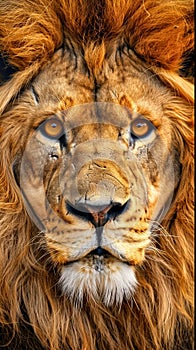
(100, 256)
(100, 252)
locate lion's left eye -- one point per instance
(141, 127)
(52, 128)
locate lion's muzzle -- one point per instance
(102, 189)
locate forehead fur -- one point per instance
(161, 32)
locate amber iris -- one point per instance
(141, 127)
(53, 128)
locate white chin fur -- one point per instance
(105, 280)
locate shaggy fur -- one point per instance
(33, 314)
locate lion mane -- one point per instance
(33, 312)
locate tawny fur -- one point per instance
(160, 316)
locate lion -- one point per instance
(96, 199)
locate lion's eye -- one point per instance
(52, 128)
(141, 127)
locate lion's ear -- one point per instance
(29, 31)
(163, 33)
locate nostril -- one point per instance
(79, 211)
(98, 215)
(118, 209)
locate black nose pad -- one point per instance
(98, 215)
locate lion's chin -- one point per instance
(104, 280)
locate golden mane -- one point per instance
(161, 33)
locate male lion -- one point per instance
(96, 191)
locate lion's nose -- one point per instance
(99, 215)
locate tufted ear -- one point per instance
(29, 31)
(162, 32)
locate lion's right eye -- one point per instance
(143, 129)
(52, 128)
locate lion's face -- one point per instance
(98, 170)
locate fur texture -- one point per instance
(33, 312)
